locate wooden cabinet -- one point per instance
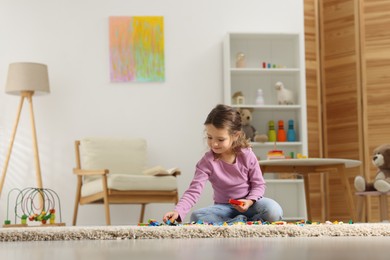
(353, 61)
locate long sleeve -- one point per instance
(192, 194)
(256, 180)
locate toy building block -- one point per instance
(236, 202)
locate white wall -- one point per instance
(71, 37)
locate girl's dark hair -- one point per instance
(226, 117)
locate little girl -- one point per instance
(234, 173)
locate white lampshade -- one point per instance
(27, 76)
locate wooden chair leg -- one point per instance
(107, 211)
(76, 207)
(77, 201)
(141, 217)
(383, 207)
(106, 203)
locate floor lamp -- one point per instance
(26, 79)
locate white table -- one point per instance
(305, 167)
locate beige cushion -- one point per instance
(125, 159)
(118, 155)
(130, 182)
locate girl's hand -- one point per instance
(171, 216)
(245, 207)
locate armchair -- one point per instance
(112, 171)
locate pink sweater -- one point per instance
(241, 180)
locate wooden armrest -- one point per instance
(90, 172)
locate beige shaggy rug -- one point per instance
(190, 231)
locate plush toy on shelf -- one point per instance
(238, 98)
(240, 60)
(285, 96)
(381, 160)
(248, 128)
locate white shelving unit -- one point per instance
(282, 55)
(294, 207)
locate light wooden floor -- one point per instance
(317, 248)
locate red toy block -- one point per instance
(236, 202)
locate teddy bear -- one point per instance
(248, 128)
(381, 160)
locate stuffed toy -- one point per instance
(238, 98)
(247, 127)
(381, 160)
(285, 96)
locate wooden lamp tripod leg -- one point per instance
(35, 143)
(11, 144)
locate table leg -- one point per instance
(348, 194)
(307, 195)
(324, 197)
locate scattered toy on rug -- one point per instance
(381, 160)
(154, 223)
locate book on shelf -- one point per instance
(161, 171)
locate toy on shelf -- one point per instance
(301, 156)
(271, 131)
(268, 65)
(285, 96)
(238, 98)
(248, 128)
(260, 97)
(262, 138)
(281, 137)
(240, 60)
(291, 137)
(275, 154)
(34, 204)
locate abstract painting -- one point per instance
(137, 49)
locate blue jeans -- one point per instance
(264, 209)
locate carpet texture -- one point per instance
(190, 231)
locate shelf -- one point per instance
(244, 36)
(277, 144)
(269, 107)
(241, 71)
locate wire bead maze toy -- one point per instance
(34, 204)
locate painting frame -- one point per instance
(136, 46)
